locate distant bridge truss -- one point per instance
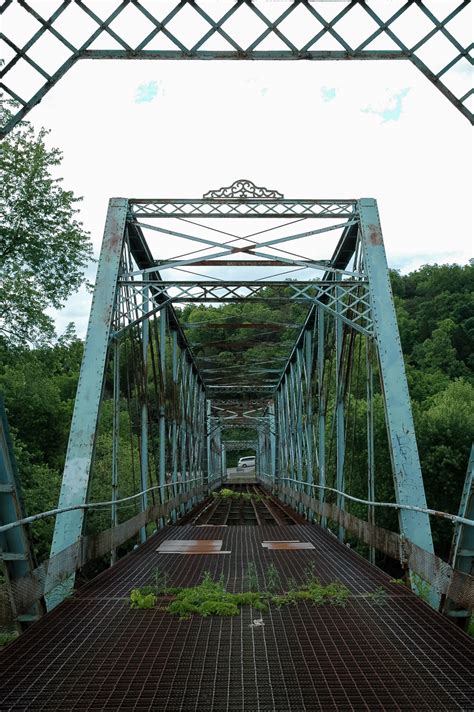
(39, 50)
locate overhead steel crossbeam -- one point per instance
(348, 300)
(239, 30)
(231, 206)
(233, 445)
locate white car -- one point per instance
(246, 461)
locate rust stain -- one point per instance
(191, 546)
(375, 236)
(287, 545)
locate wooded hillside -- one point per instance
(435, 306)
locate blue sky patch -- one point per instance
(393, 110)
(328, 93)
(146, 92)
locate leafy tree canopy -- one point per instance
(44, 249)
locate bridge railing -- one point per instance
(55, 572)
(448, 582)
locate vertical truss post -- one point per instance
(462, 548)
(162, 451)
(223, 465)
(16, 551)
(290, 429)
(409, 488)
(75, 482)
(308, 364)
(298, 405)
(144, 476)
(340, 435)
(300, 429)
(200, 427)
(208, 476)
(189, 471)
(370, 441)
(174, 424)
(115, 441)
(281, 441)
(260, 459)
(183, 426)
(321, 412)
(273, 443)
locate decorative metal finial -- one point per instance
(243, 189)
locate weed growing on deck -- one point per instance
(210, 598)
(226, 493)
(251, 577)
(378, 597)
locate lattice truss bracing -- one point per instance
(303, 318)
(39, 49)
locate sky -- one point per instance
(307, 129)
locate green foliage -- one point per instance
(142, 598)
(434, 305)
(44, 250)
(378, 597)
(210, 598)
(421, 587)
(272, 578)
(7, 637)
(251, 577)
(226, 493)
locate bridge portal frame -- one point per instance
(291, 432)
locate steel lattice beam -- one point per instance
(165, 36)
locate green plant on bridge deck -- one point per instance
(378, 597)
(272, 578)
(210, 598)
(141, 598)
(226, 493)
(251, 577)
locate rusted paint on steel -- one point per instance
(375, 234)
(286, 545)
(96, 653)
(191, 546)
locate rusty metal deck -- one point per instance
(94, 653)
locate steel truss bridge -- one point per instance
(293, 390)
(302, 387)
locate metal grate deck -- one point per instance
(94, 653)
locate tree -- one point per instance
(44, 250)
